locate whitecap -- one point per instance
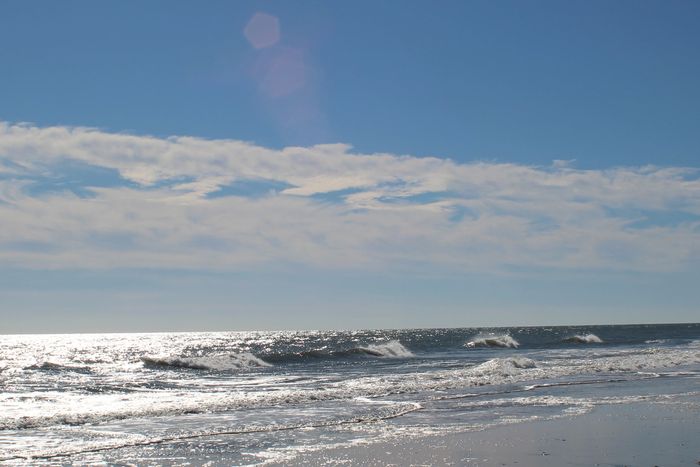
(503, 340)
(584, 339)
(231, 362)
(503, 366)
(391, 349)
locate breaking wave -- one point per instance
(77, 408)
(587, 339)
(231, 362)
(246, 360)
(504, 341)
(391, 349)
(504, 366)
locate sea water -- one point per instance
(224, 398)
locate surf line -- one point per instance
(532, 387)
(415, 406)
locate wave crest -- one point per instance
(391, 349)
(504, 366)
(503, 341)
(587, 339)
(231, 362)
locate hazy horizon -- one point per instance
(581, 325)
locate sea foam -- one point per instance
(504, 366)
(584, 339)
(391, 349)
(503, 340)
(231, 362)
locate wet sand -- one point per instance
(639, 434)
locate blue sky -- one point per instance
(177, 165)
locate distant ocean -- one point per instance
(256, 397)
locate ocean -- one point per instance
(237, 398)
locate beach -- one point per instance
(639, 434)
(596, 395)
(656, 432)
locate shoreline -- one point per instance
(639, 433)
(659, 432)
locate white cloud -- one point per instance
(340, 210)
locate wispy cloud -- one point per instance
(79, 197)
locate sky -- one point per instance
(315, 165)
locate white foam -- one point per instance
(391, 349)
(101, 440)
(503, 340)
(231, 362)
(585, 339)
(504, 366)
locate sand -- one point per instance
(639, 434)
